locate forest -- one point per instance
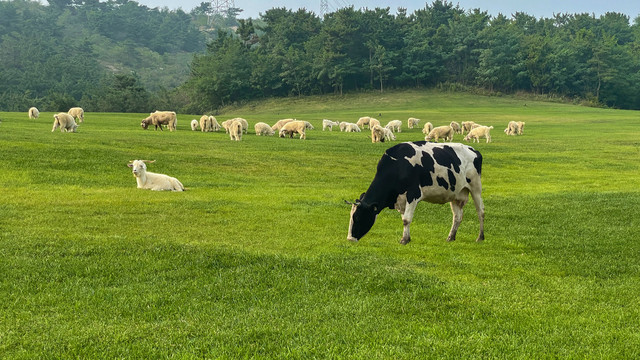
(122, 56)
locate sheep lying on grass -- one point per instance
(153, 181)
(445, 132)
(77, 113)
(293, 127)
(65, 122)
(34, 113)
(328, 124)
(478, 132)
(263, 129)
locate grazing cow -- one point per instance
(414, 171)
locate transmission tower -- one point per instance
(324, 7)
(221, 6)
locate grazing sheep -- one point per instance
(411, 122)
(445, 132)
(160, 118)
(244, 122)
(308, 125)
(477, 133)
(194, 124)
(427, 128)
(363, 121)
(388, 134)
(209, 123)
(351, 127)
(512, 128)
(328, 124)
(153, 181)
(77, 113)
(343, 125)
(456, 127)
(226, 124)
(377, 134)
(293, 127)
(34, 113)
(520, 127)
(65, 122)
(278, 125)
(263, 129)
(235, 130)
(395, 125)
(466, 126)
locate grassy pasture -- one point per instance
(253, 261)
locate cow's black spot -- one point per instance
(468, 180)
(452, 180)
(447, 157)
(442, 182)
(477, 162)
(400, 151)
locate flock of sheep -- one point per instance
(285, 128)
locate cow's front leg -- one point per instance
(407, 217)
(456, 208)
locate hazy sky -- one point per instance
(537, 8)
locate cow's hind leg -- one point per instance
(457, 209)
(477, 200)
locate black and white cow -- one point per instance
(414, 171)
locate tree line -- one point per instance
(121, 56)
(293, 53)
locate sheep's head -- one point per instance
(139, 166)
(145, 123)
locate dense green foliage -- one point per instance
(296, 52)
(253, 262)
(80, 52)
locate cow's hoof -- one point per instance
(451, 239)
(404, 241)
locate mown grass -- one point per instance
(253, 261)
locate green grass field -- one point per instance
(253, 262)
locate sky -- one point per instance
(537, 8)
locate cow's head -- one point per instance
(362, 218)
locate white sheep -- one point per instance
(65, 122)
(293, 127)
(411, 122)
(395, 125)
(466, 126)
(160, 118)
(351, 127)
(328, 124)
(280, 123)
(208, 123)
(456, 127)
(263, 129)
(153, 181)
(194, 124)
(34, 113)
(478, 132)
(445, 132)
(77, 113)
(512, 128)
(308, 125)
(244, 122)
(377, 134)
(363, 121)
(427, 128)
(235, 130)
(520, 127)
(388, 134)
